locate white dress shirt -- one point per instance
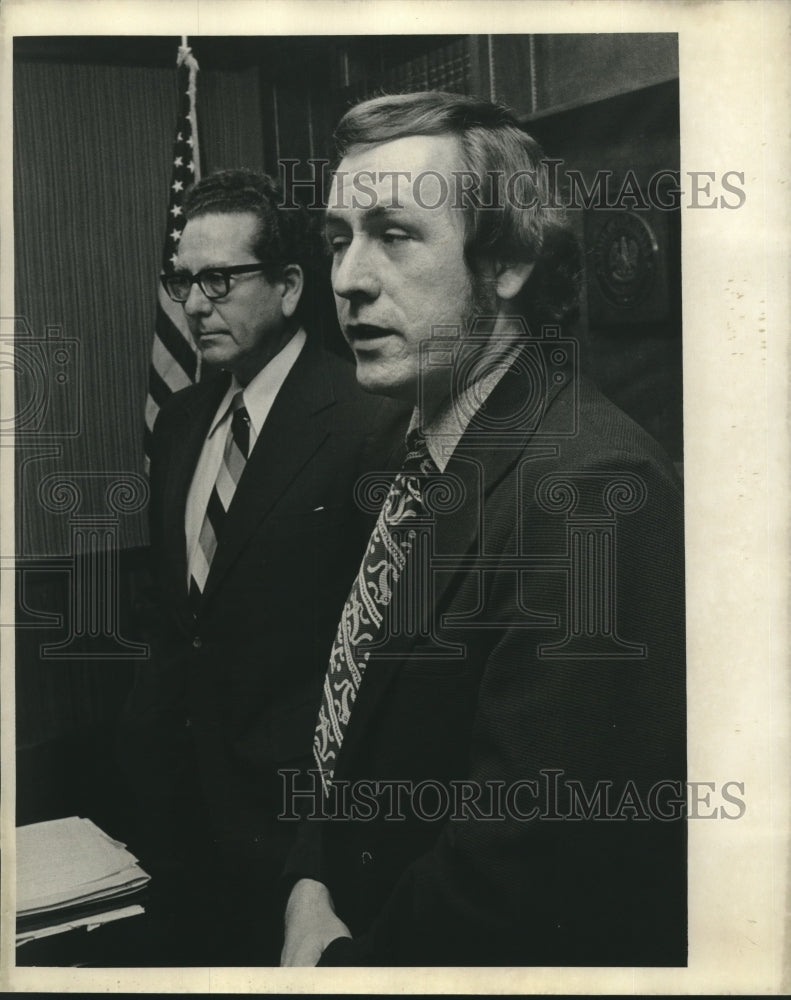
(258, 395)
(444, 430)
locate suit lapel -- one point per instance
(289, 438)
(485, 455)
(480, 461)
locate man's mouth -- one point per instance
(360, 334)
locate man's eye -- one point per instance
(394, 236)
(337, 243)
(213, 279)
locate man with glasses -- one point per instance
(255, 537)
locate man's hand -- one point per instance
(310, 924)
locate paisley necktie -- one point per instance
(364, 615)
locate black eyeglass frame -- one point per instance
(225, 272)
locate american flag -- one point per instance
(174, 360)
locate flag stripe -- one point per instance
(171, 373)
(172, 340)
(147, 435)
(158, 389)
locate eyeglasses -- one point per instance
(215, 282)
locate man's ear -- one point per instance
(292, 281)
(510, 278)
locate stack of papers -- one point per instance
(70, 874)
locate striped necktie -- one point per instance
(234, 460)
(365, 611)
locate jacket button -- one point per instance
(366, 857)
(196, 642)
(187, 723)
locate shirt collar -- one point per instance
(445, 429)
(260, 392)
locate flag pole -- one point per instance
(186, 58)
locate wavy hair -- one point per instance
(508, 165)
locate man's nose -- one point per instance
(196, 303)
(354, 273)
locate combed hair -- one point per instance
(285, 235)
(494, 148)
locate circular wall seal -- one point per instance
(625, 259)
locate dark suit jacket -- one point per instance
(568, 669)
(230, 696)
